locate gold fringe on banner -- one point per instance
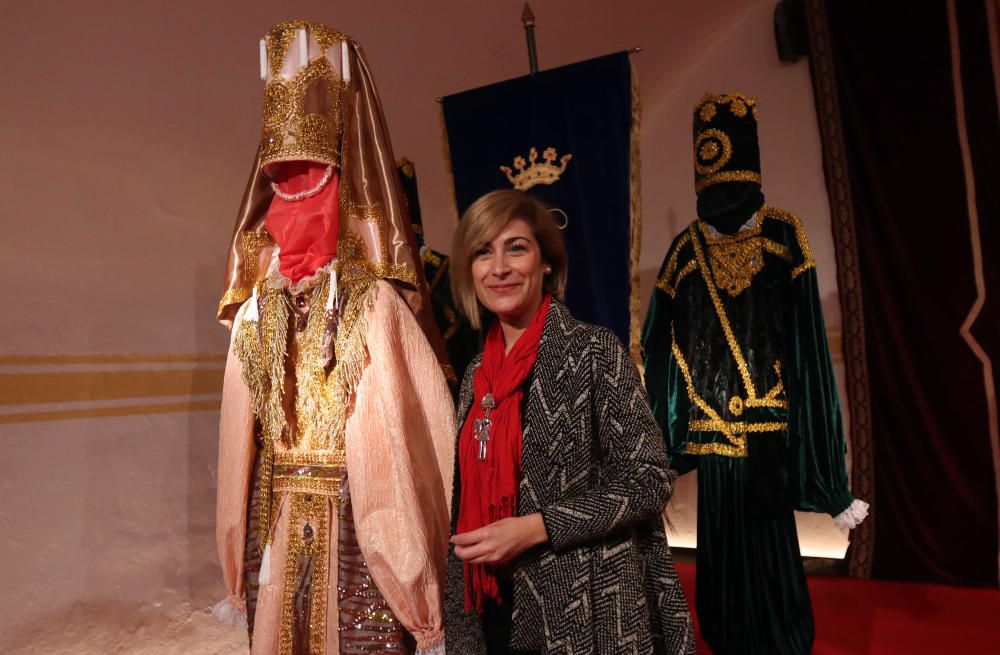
(635, 211)
(446, 149)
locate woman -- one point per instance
(562, 475)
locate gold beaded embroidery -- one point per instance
(278, 103)
(737, 102)
(727, 176)
(735, 259)
(315, 415)
(713, 150)
(736, 428)
(312, 511)
(280, 37)
(707, 112)
(308, 484)
(738, 107)
(715, 448)
(290, 131)
(277, 42)
(720, 311)
(307, 458)
(777, 249)
(251, 243)
(771, 398)
(739, 448)
(800, 236)
(235, 296)
(665, 280)
(671, 289)
(372, 213)
(351, 247)
(734, 432)
(736, 406)
(693, 396)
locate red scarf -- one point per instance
(489, 488)
(305, 230)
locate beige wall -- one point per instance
(128, 130)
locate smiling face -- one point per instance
(508, 273)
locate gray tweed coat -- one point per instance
(594, 464)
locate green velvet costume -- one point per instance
(740, 380)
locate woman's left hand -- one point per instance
(500, 542)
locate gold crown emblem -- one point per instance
(533, 172)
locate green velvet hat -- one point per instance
(725, 140)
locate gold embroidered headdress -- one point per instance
(320, 104)
(725, 140)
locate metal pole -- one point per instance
(528, 20)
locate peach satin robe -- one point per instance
(399, 444)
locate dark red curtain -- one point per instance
(914, 82)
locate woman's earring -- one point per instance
(548, 270)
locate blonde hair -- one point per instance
(482, 222)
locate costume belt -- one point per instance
(318, 473)
(313, 473)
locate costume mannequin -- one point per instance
(739, 377)
(337, 425)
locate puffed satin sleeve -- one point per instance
(399, 445)
(236, 456)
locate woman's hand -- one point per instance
(500, 542)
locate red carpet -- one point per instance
(865, 617)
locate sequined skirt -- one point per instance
(366, 624)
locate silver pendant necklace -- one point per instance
(482, 425)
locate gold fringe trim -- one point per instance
(261, 348)
(635, 210)
(352, 357)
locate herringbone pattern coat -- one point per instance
(594, 464)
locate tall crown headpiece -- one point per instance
(535, 172)
(321, 105)
(305, 66)
(725, 140)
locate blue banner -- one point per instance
(569, 136)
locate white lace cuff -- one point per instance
(433, 650)
(226, 611)
(852, 516)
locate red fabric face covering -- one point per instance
(306, 229)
